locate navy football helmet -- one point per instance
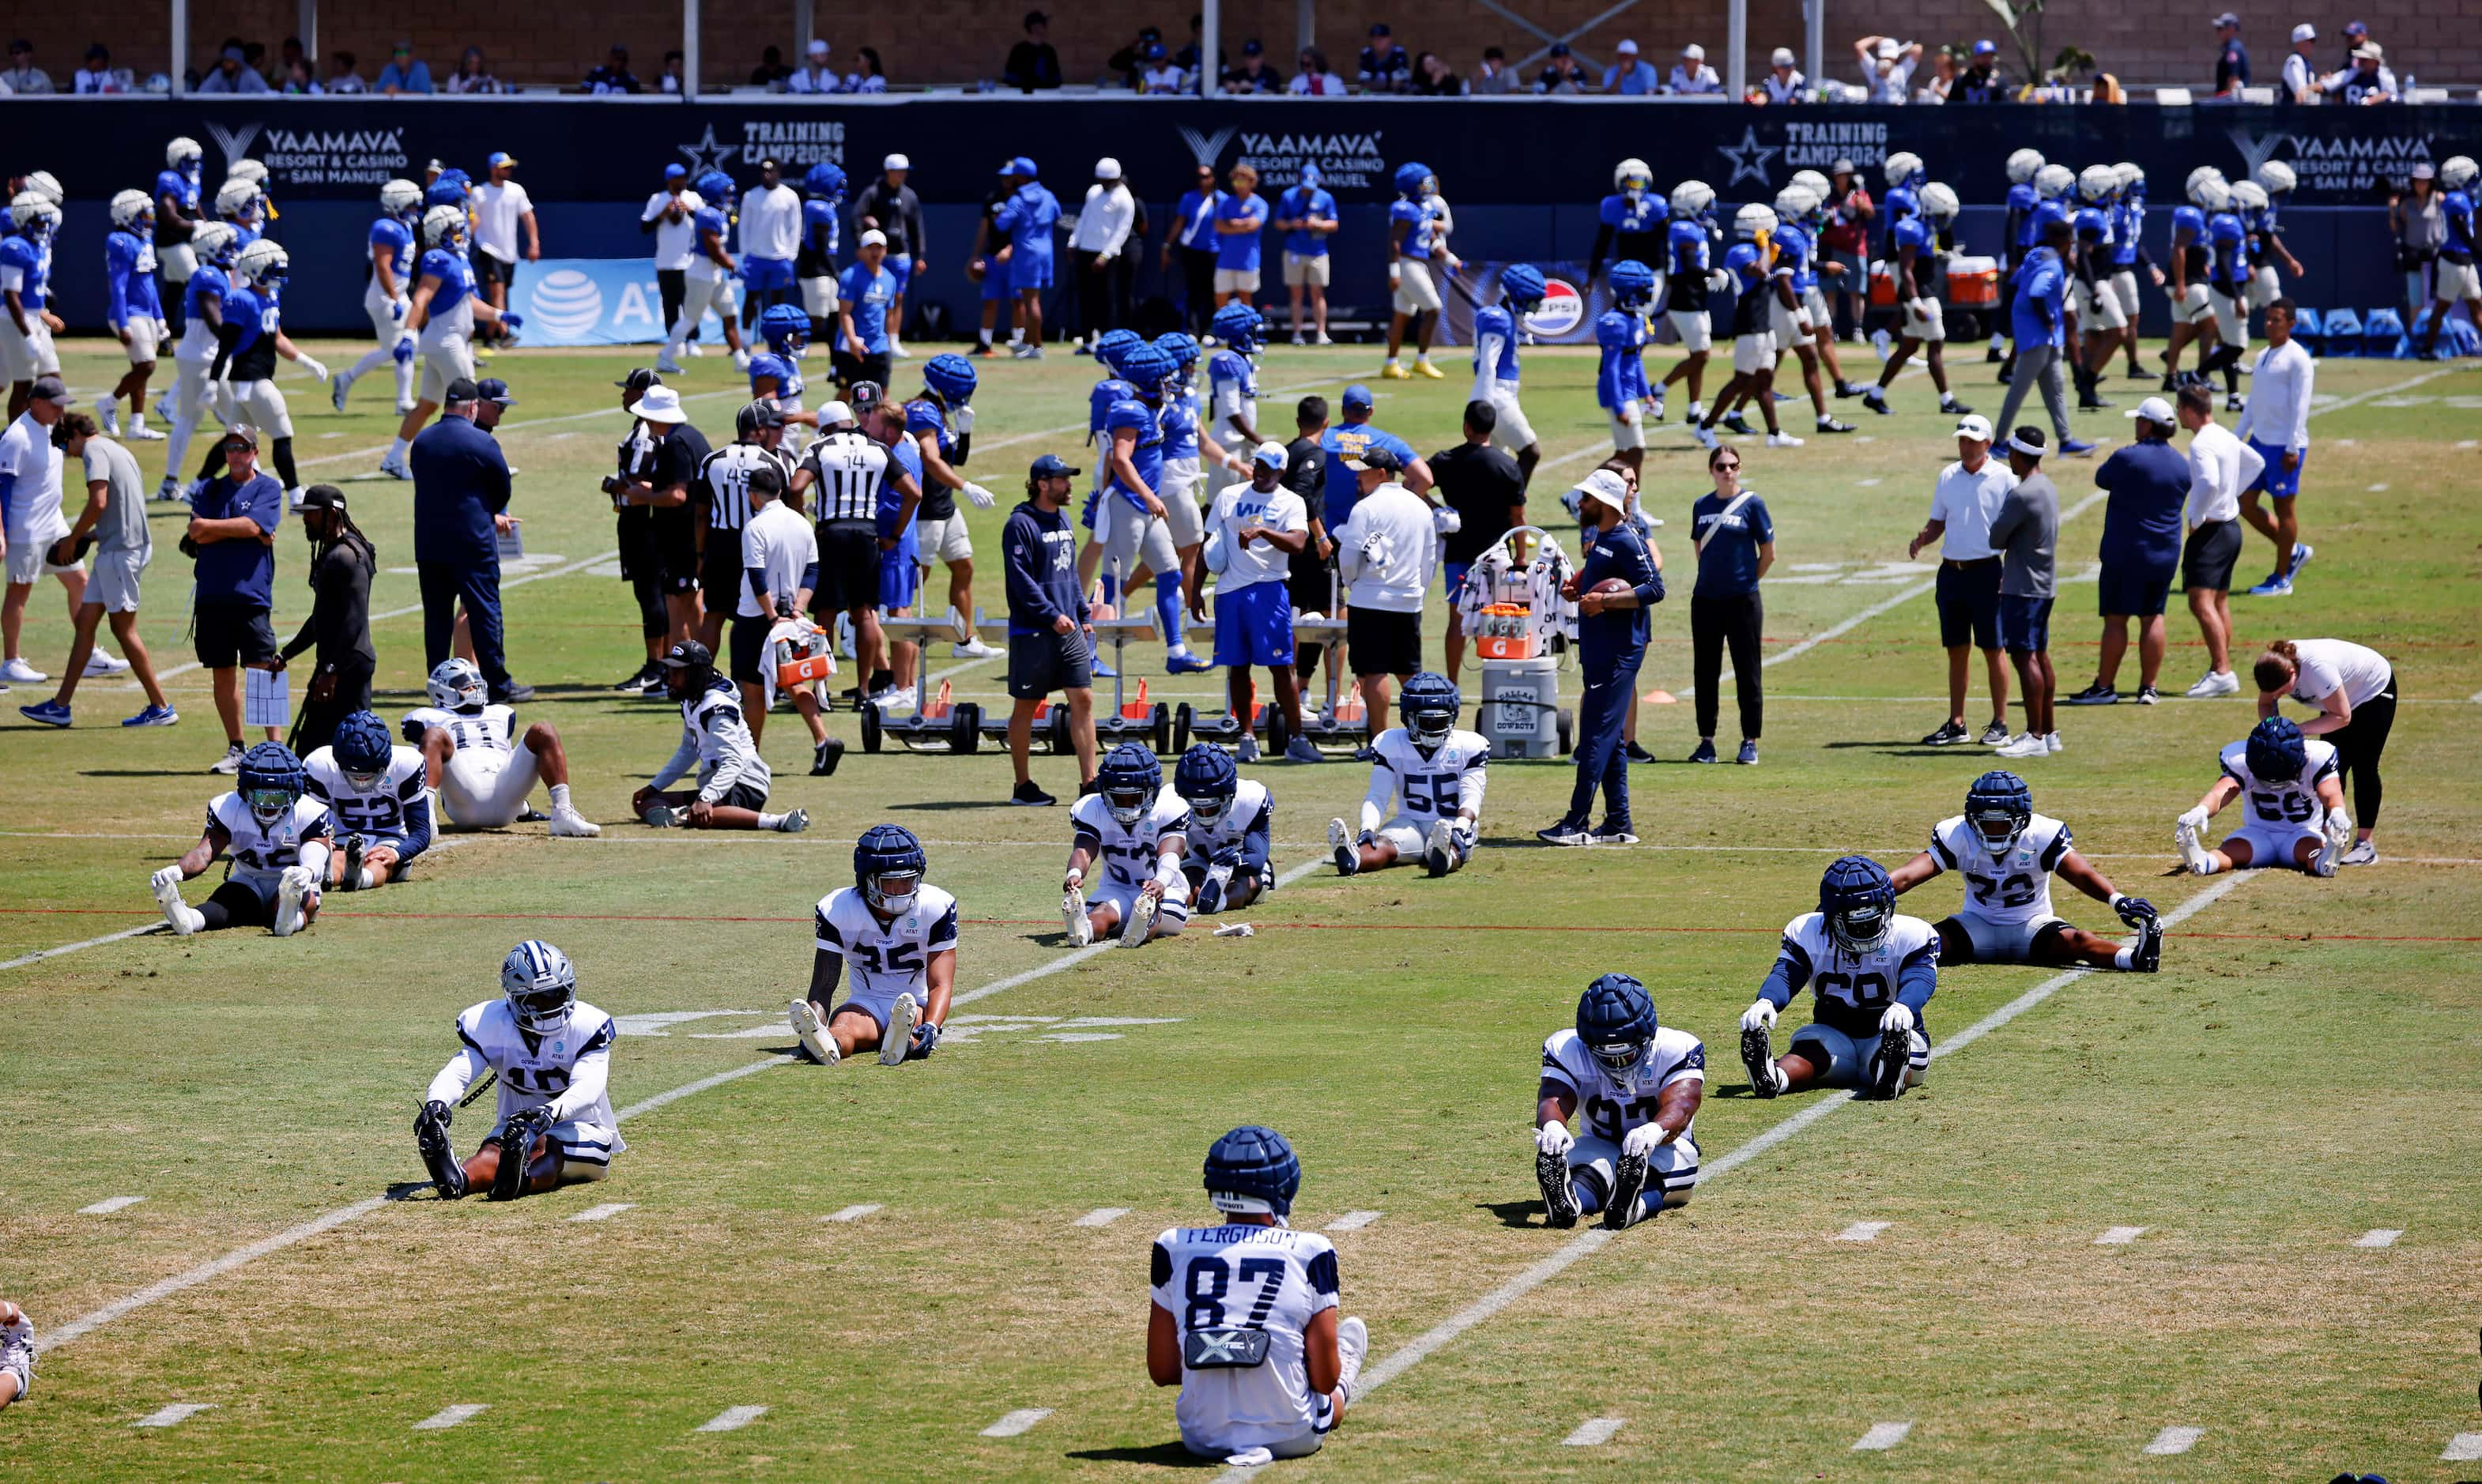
(1206, 780)
(1616, 1019)
(1130, 780)
(1999, 806)
(1429, 708)
(1252, 1170)
(888, 866)
(2277, 754)
(362, 746)
(1859, 902)
(270, 783)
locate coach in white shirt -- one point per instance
(501, 207)
(2220, 467)
(1691, 76)
(1095, 247)
(2277, 423)
(2300, 73)
(771, 234)
(1385, 551)
(1966, 499)
(667, 219)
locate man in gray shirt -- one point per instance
(114, 521)
(2025, 532)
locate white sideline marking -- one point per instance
(2378, 1237)
(1863, 1231)
(106, 1208)
(1882, 1437)
(39, 954)
(1022, 1419)
(1866, 484)
(2468, 443)
(2174, 1439)
(731, 1420)
(1353, 1220)
(1079, 955)
(2378, 488)
(2119, 1235)
(175, 1415)
(449, 1417)
(605, 1212)
(1593, 1432)
(1102, 1215)
(854, 1213)
(2462, 1448)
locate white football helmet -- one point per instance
(1902, 168)
(1939, 202)
(262, 262)
(2131, 179)
(1752, 220)
(182, 153)
(128, 207)
(34, 216)
(1632, 175)
(236, 197)
(1794, 203)
(2053, 181)
(1691, 198)
(2276, 177)
(2458, 173)
(212, 241)
(456, 684)
(1813, 182)
(251, 171)
(2023, 165)
(540, 984)
(443, 226)
(2097, 183)
(45, 184)
(2201, 172)
(2249, 196)
(399, 196)
(2209, 193)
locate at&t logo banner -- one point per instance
(594, 302)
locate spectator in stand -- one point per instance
(1104, 223)
(1307, 215)
(1192, 57)
(1433, 79)
(670, 82)
(1385, 67)
(1492, 76)
(1887, 67)
(297, 81)
(1240, 220)
(344, 75)
(2301, 81)
(1630, 74)
(1163, 77)
(613, 76)
(814, 75)
(871, 77)
(1314, 80)
(230, 74)
(501, 209)
(1130, 61)
(2368, 80)
(1252, 74)
(2232, 58)
(771, 71)
(1850, 211)
(98, 75)
(23, 77)
(1561, 74)
(288, 52)
(1691, 76)
(2354, 34)
(1784, 82)
(472, 75)
(404, 73)
(1034, 64)
(1942, 88)
(1982, 82)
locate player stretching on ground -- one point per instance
(1433, 773)
(2007, 854)
(1230, 818)
(1870, 974)
(483, 773)
(16, 1353)
(1138, 829)
(732, 778)
(278, 843)
(553, 1053)
(2296, 805)
(900, 934)
(1634, 1087)
(1272, 1379)
(378, 793)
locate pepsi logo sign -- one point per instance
(1561, 310)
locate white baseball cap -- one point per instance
(2154, 409)
(896, 162)
(1607, 487)
(1694, 52)
(1271, 454)
(835, 414)
(1886, 49)
(818, 46)
(1974, 426)
(1781, 59)
(1627, 48)
(1107, 168)
(2305, 31)
(874, 238)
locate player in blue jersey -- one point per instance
(2193, 314)
(1633, 222)
(775, 372)
(1797, 260)
(2229, 243)
(132, 308)
(1757, 282)
(1133, 521)
(2017, 235)
(1028, 216)
(2458, 248)
(177, 215)
(815, 262)
(1418, 262)
(1688, 256)
(1497, 329)
(940, 424)
(2128, 254)
(709, 284)
(440, 321)
(2100, 323)
(1904, 173)
(244, 369)
(1232, 409)
(389, 291)
(1923, 244)
(26, 324)
(1108, 348)
(1620, 376)
(2278, 180)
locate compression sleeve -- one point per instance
(457, 1076)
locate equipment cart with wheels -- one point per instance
(1518, 624)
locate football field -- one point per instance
(2215, 1223)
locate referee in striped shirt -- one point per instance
(722, 489)
(846, 467)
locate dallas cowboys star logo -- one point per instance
(709, 155)
(1748, 158)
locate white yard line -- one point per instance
(1353, 1220)
(2464, 1448)
(731, 1420)
(605, 1212)
(106, 1208)
(2174, 1439)
(852, 1212)
(1022, 1419)
(39, 954)
(1102, 1215)
(1593, 1432)
(2378, 1237)
(449, 1417)
(1862, 1232)
(1882, 1437)
(2120, 1237)
(175, 1415)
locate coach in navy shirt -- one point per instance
(232, 534)
(1050, 642)
(461, 498)
(1736, 543)
(1611, 644)
(2148, 484)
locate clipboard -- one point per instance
(512, 541)
(267, 699)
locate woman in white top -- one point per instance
(2354, 687)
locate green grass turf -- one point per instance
(2302, 1071)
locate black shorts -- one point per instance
(849, 369)
(490, 270)
(720, 570)
(848, 567)
(1968, 604)
(635, 537)
(677, 565)
(1307, 579)
(243, 906)
(2212, 551)
(1040, 663)
(231, 634)
(744, 796)
(748, 644)
(2131, 589)
(1381, 642)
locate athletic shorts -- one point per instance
(228, 634)
(30, 560)
(2132, 589)
(1786, 326)
(944, 538)
(1671, 1169)
(1041, 663)
(25, 356)
(2275, 479)
(994, 281)
(743, 795)
(2456, 282)
(819, 297)
(145, 334)
(879, 1004)
(489, 269)
(1171, 913)
(1253, 625)
(259, 403)
(2273, 842)
(1130, 537)
(1305, 267)
(1925, 321)
(1753, 352)
(765, 276)
(1411, 837)
(848, 567)
(2124, 289)
(2097, 307)
(483, 788)
(176, 261)
(1813, 302)
(847, 369)
(2232, 317)
(1696, 330)
(1968, 604)
(114, 587)
(1415, 293)
(1242, 281)
(2194, 308)
(446, 357)
(1513, 432)
(586, 1149)
(2207, 559)
(1383, 641)
(2264, 287)
(2003, 943)
(749, 647)
(1029, 273)
(1630, 434)
(900, 580)
(1182, 479)
(2024, 624)
(1844, 1060)
(720, 571)
(680, 568)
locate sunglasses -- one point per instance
(1730, 468)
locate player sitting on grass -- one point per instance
(1432, 772)
(1634, 1087)
(2007, 853)
(481, 769)
(2296, 806)
(16, 1353)
(1245, 1318)
(900, 934)
(553, 1053)
(1871, 973)
(1139, 830)
(279, 843)
(732, 778)
(1230, 818)
(376, 796)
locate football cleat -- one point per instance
(902, 1017)
(1758, 1055)
(567, 822)
(2193, 851)
(2336, 832)
(1628, 1184)
(795, 821)
(663, 816)
(2364, 854)
(1073, 917)
(354, 845)
(1440, 849)
(1140, 922)
(184, 919)
(292, 890)
(1888, 1064)
(2147, 955)
(516, 1142)
(1559, 1196)
(438, 1155)
(812, 1033)
(1339, 840)
(1352, 1344)
(396, 469)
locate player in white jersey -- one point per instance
(1136, 831)
(2007, 854)
(1870, 974)
(377, 795)
(278, 841)
(2296, 805)
(1431, 772)
(17, 1354)
(478, 763)
(553, 1053)
(732, 778)
(1634, 1085)
(1245, 1318)
(1230, 821)
(898, 933)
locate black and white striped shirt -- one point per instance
(848, 467)
(725, 478)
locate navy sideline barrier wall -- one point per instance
(1523, 174)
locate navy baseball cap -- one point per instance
(1052, 466)
(494, 389)
(1358, 396)
(462, 391)
(640, 380)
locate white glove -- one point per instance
(170, 875)
(1447, 521)
(1760, 1016)
(965, 417)
(1553, 1138)
(982, 497)
(1718, 280)
(1641, 1138)
(1897, 1020)
(310, 364)
(298, 878)
(1071, 881)
(2197, 819)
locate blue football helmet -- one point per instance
(952, 377)
(1237, 324)
(785, 328)
(1147, 369)
(1181, 347)
(271, 781)
(540, 984)
(1111, 345)
(1129, 781)
(825, 181)
(1206, 781)
(2276, 751)
(1252, 1170)
(1633, 283)
(888, 866)
(715, 188)
(1429, 708)
(1414, 180)
(1998, 806)
(1522, 286)
(363, 747)
(1859, 902)
(443, 193)
(1616, 1019)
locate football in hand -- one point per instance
(1611, 585)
